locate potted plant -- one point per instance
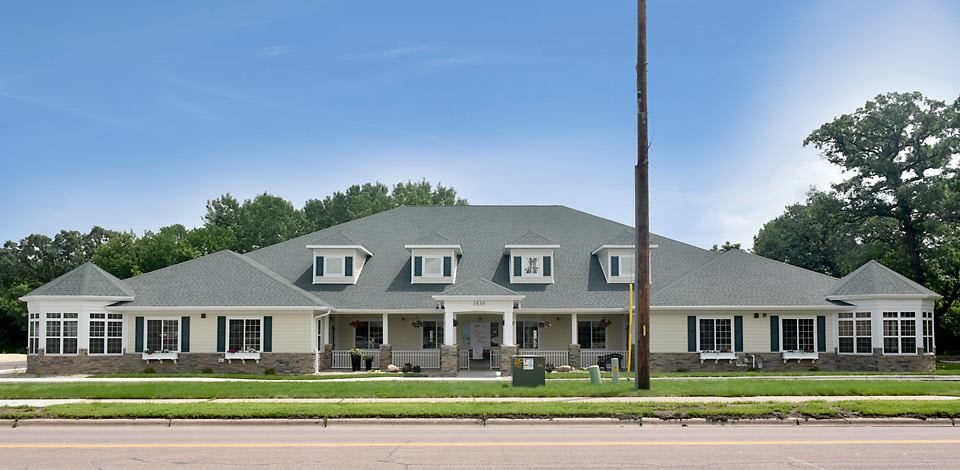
(604, 323)
(544, 323)
(356, 354)
(368, 361)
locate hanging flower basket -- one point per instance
(605, 323)
(416, 323)
(544, 323)
(355, 323)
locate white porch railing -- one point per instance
(495, 359)
(589, 357)
(425, 358)
(341, 358)
(555, 357)
(463, 361)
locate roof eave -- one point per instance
(107, 298)
(478, 297)
(455, 248)
(886, 297)
(194, 308)
(829, 308)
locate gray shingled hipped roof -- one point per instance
(224, 279)
(85, 280)
(738, 278)
(334, 238)
(874, 278)
(532, 238)
(433, 238)
(482, 231)
(477, 286)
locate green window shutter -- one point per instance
(221, 334)
(774, 333)
(184, 334)
(319, 271)
(418, 266)
(738, 333)
(547, 265)
(692, 333)
(614, 266)
(267, 334)
(138, 334)
(821, 333)
(447, 266)
(517, 266)
(348, 266)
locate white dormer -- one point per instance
(433, 260)
(337, 259)
(617, 259)
(531, 260)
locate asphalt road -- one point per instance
(471, 446)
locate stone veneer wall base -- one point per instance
(282, 363)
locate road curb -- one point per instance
(38, 422)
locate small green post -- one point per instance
(615, 370)
(594, 374)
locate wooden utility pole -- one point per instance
(642, 188)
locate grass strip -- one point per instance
(429, 389)
(713, 411)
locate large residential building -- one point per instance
(464, 288)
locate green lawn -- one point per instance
(812, 409)
(402, 389)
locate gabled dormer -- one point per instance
(531, 259)
(434, 259)
(338, 259)
(616, 258)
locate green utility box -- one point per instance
(529, 371)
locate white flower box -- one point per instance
(161, 356)
(717, 356)
(799, 356)
(242, 356)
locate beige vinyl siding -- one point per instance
(668, 332)
(291, 330)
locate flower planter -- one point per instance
(800, 356)
(242, 356)
(368, 364)
(160, 356)
(355, 362)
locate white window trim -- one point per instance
(146, 334)
(438, 325)
(327, 263)
(900, 334)
(43, 324)
(816, 336)
(539, 274)
(106, 326)
(368, 322)
(423, 266)
(621, 264)
(932, 335)
(538, 337)
(733, 335)
(855, 335)
(34, 319)
(592, 324)
(243, 353)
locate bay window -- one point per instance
(899, 333)
(33, 333)
(798, 334)
(854, 333)
(106, 333)
(163, 335)
(244, 335)
(61, 329)
(716, 334)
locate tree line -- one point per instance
(228, 224)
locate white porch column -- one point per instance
(573, 328)
(449, 331)
(386, 329)
(508, 328)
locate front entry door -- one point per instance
(479, 340)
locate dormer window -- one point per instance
(434, 259)
(622, 266)
(338, 260)
(531, 259)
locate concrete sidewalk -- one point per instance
(639, 400)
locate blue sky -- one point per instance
(130, 115)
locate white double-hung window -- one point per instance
(33, 334)
(716, 335)
(163, 335)
(899, 333)
(432, 266)
(333, 266)
(854, 333)
(928, 345)
(61, 329)
(798, 334)
(245, 335)
(106, 333)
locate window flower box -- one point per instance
(242, 356)
(160, 356)
(717, 356)
(800, 355)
